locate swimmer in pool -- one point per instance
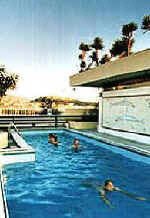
(53, 139)
(109, 187)
(76, 145)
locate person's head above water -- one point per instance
(108, 185)
(53, 139)
(76, 142)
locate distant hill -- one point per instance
(39, 104)
(48, 100)
(17, 102)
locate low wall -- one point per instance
(79, 111)
(3, 139)
(82, 125)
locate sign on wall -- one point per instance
(130, 114)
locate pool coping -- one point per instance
(102, 138)
(111, 142)
(3, 207)
(24, 153)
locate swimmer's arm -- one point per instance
(55, 143)
(103, 197)
(131, 195)
(71, 147)
(117, 189)
(106, 201)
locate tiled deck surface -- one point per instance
(130, 145)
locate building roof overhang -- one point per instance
(127, 70)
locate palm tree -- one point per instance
(93, 58)
(84, 48)
(105, 58)
(127, 32)
(120, 47)
(146, 23)
(82, 64)
(97, 45)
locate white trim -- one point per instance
(127, 135)
(3, 204)
(140, 91)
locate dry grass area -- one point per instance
(16, 102)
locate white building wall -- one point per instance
(126, 113)
(100, 114)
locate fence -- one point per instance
(19, 111)
(44, 120)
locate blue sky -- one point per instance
(40, 38)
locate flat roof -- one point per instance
(135, 67)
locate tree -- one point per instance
(120, 47)
(82, 64)
(105, 58)
(7, 81)
(93, 58)
(146, 23)
(97, 45)
(84, 48)
(127, 32)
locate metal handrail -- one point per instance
(12, 124)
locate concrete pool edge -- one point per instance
(126, 144)
(3, 207)
(103, 138)
(24, 153)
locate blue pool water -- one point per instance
(54, 186)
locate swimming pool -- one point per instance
(54, 186)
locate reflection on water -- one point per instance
(54, 186)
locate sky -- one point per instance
(39, 39)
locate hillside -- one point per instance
(48, 100)
(17, 102)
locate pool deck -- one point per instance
(130, 145)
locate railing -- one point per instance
(43, 120)
(12, 125)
